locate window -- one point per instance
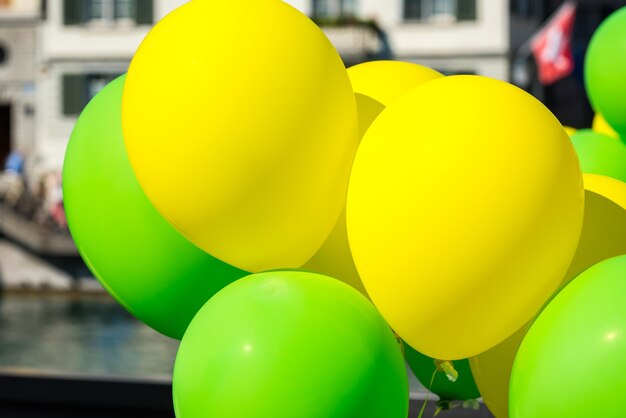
(456, 72)
(78, 89)
(96, 82)
(78, 12)
(526, 9)
(97, 10)
(3, 54)
(332, 9)
(440, 10)
(125, 9)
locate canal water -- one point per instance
(86, 335)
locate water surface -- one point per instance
(90, 335)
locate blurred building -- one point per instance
(56, 55)
(567, 98)
(452, 36)
(84, 44)
(485, 37)
(18, 23)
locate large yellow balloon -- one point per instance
(603, 237)
(375, 82)
(600, 125)
(386, 81)
(464, 209)
(240, 123)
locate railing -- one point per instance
(33, 236)
(25, 394)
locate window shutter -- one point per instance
(74, 94)
(73, 12)
(466, 9)
(43, 9)
(145, 12)
(413, 9)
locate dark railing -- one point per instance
(28, 395)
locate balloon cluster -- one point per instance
(216, 186)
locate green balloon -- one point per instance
(605, 70)
(572, 362)
(600, 154)
(424, 367)
(153, 271)
(289, 344)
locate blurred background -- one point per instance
(65, 346)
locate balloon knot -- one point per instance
(447, 367)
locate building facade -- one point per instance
(74, 47)
(83, 44)
(18, 29)
(56, 54)
(86, 43)
(453, 36)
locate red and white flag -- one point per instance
(552, 46)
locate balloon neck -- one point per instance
(471, 404)
(447, 367)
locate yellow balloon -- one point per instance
(386, 81)
(240, 123)
(609, 187)
(600, 125)
(375, 82)
(603, 236)
(604, 228)
(569, 130)
(334, 258)
(465, 206)
(492, 372)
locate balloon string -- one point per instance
(448, 405)
(430, 386)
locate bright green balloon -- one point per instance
(572, 362)
(424, 367)
(289, 344)
(138, 257)
(605, 70)
(600, 154)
